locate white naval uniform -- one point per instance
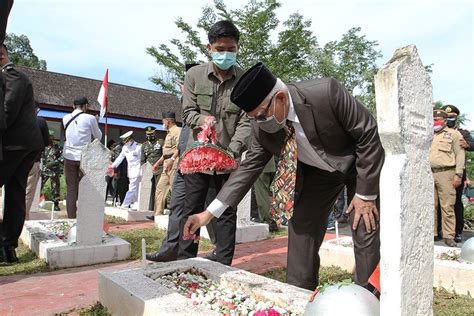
(132, 152)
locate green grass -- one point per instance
(95, 310)
(280, 233)
(29, 263)
(114, 219)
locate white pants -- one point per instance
(132, 193)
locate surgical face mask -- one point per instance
(437, 126)
(271, 124)
(224, 60)
(451, 122)
(150, 138)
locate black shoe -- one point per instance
(458, 238)
(3, 255)
(151, 218)
(10, 255)
(161, 257)
(273, 227)
(212, 256)
(56, 207)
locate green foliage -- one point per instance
(21, 53)
(292, 55)
(352, 62)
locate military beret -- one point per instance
(253, 87)
(150, 130)
(81, 101)
(439, 113)
(189, 66)
(168, 115)
(450, 109)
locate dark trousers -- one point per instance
(14, 169)
(224, 227)
(459, 207)
(73, 174)
(316, 192)
(154, 181)
(178, 193)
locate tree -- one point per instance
(21, 53)
(351, 61)
(290, 58)
(294, 55)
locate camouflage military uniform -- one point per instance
(52, 168)
(152, 152)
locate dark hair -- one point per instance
(5, 46)
(223, 29)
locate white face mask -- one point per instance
(437, 128)
(271, 124)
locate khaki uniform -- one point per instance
(167, 178)
(447, 160)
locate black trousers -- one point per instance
(459, 207)
(178, 193)
(14, 169)
(197, 186)
(316, 193)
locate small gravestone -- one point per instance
(145, 188)
(404, 113)
(91, 202)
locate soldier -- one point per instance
(169, 162)
(52, 168)
(152, 152)
(447, 164)
(467, 143)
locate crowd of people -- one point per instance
(310, 146)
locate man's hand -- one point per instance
(168, 164)
(367, 210)
(463, 143)
(456, 181)
(196, 221)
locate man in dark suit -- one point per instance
(5, 7)
(337, 144)
(21, 143)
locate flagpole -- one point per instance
(106, 126)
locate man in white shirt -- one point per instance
(80, 129)
(131, 151)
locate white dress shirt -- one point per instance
(306, 154)
(79, 133)
(132, 152)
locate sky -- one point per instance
(84, 37)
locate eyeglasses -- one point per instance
(263, 115)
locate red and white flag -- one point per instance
(102, 98)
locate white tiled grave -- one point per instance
(135, 291)
(452, 275)
(128, 214)
(59, 254)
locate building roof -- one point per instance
(57, 90)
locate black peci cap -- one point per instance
(253, 87)
(168, 115)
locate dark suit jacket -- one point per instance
(339, 128)
(22, 129)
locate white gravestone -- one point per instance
(35, 204)
(404, 113)
(91, 202)
(144, 191)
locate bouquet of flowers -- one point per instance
(204, 155)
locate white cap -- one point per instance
(126, 135)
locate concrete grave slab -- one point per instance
(135, 291)
(127, 214)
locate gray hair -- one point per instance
(279, 86)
